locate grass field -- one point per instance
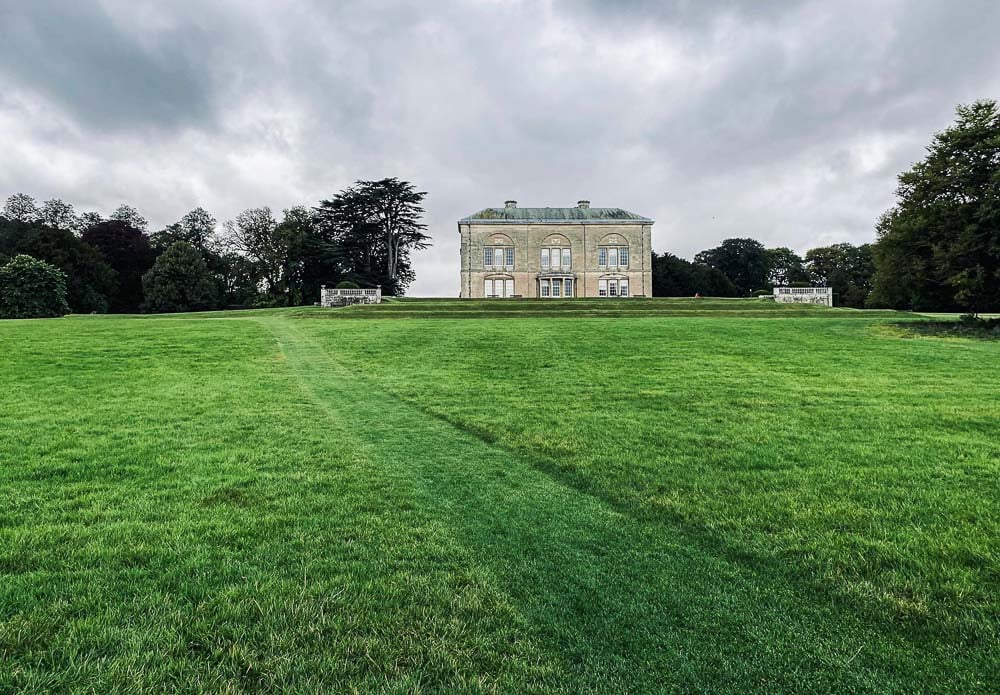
(665, 495)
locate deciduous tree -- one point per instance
(744, 262)
(21, 207)
(130, 216)
(939, 247)
(179, 281)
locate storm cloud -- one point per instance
(785, 120)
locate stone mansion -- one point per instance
(555, 252)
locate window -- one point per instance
(612, 256)
(602, 288)
(488, 256)
(509, 284)
(566, 258)
(545, 288)
(509, 256)
(569, 287)
(545, 258)
(612, 288)
(556, 288)
(623, 288)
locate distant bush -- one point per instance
(347, 285)
(32, 289)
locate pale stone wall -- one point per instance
(804, 295)
(583, 238)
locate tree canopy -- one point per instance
(938, 248)
(374, 226)
(179, 281)
(127, 250)
(743, 261)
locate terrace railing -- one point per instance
(333, 296)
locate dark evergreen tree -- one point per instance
(127, 250)
(374, 226)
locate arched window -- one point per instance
(498, 253)
(557, 253)
(612, 252)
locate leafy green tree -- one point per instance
(743, 261)
(127, 250)
(238, 279)
(939, 247)
(89, 219)
(90, 281)
(179, 281)
(196, 228)
(32, 289)
(785, 267)
(129, 216)
(59, 214)
(375, 226)
(21, 207)
(848, 269)
(676, 277)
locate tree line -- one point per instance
(741, 267)
(937, 249)
(362, 235)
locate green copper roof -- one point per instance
(573, 214)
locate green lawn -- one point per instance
(724, 496)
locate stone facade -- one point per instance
(513, 252)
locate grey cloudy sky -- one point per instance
(784, 120)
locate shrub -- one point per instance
(32, 289)
(347, 285)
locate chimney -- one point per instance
(583, 204)
(510, 203)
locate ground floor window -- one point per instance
(612, 287)
(555, 287)
(498, 287)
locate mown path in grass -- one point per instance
(610, 600)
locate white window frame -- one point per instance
(623, 288)
(488, 256)
(602, 256)
(568, 287)
(508, 256)
(545, 258)
(557, 288)
(602, 288)
(567, 259)
(545, 288)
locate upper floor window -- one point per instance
(498, 256)
(612, 256)
(560, 258)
